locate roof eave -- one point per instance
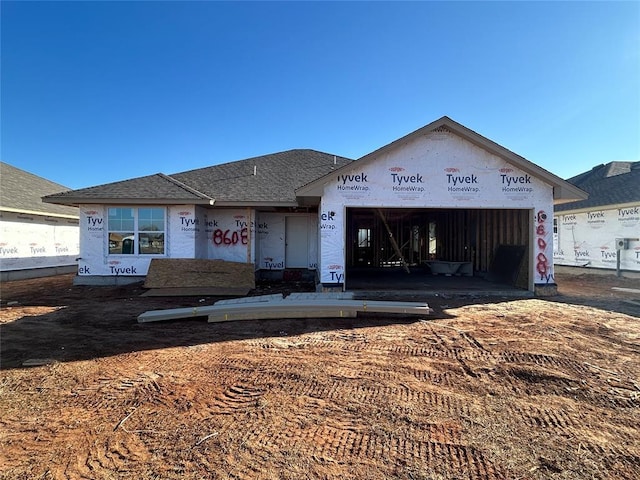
(76, 201)
(35, 212)
(565, 192)
(236, 203)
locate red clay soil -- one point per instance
(485, 388)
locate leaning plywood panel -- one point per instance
(189, 272)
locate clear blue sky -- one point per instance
(95, 92)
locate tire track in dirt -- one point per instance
(368, 394)
(623, 461)
(235, 399)
(119, 452)
(562, 364)
(336, 444)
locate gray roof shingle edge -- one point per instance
(606, 190)
(23, 191)
(150, 188)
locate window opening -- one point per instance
(433, 242)
(136, 231)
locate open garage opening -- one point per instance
(414, 248)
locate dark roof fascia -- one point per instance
(240, 204)
(562, 190)
(77, 201)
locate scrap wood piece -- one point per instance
(627, 290)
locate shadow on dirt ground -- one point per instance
(51, 320)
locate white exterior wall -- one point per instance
(182, 230)
(230, 234)
(438, 170)
(272, 242)
(37, 241)
(587, 238)
(191, 232)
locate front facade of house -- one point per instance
(442, 192)
(602, 232)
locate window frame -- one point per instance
(136, 232)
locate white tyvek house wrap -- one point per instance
(587, 239)
(230, 235)
(271, 241)
(34, 241)
(332, 258)
(182, 229)
(201, 245)
(438, 170)
(93, 241)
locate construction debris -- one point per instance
(297, 305)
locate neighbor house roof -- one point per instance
(22, 192)
(268, 180)
(562, 190)
(616, 183)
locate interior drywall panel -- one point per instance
(437, 170)
(35, 241)
(588, 239)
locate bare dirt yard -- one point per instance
(485, 388)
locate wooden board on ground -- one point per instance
(189, 273)
(196, 292)
(269, 307)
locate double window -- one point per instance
(137, 230)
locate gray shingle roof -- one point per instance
(612, 184)
(22, 191)
(276, 178)
(151, 188)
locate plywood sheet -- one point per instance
(191, 273)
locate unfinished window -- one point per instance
(364, 237)
(136, 231)
(433, 243)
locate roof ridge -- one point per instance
(185, 186)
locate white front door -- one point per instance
(296, 242)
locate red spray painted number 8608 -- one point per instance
(227, 237)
